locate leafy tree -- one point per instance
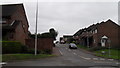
(46, 35)
(53, 33)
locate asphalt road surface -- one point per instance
(69, 58)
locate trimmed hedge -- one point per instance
(11, 47)
(32, 51)
(14, 47)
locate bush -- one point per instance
(31, 51)
(46, 51)
(9, 47)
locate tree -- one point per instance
(53, 33)
(46, 35)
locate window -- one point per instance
(95, 30)
(94, 41)
(90, 31)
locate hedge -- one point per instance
(12, 47)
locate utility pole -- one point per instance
(87, 40)
(36, 28)
(109, 47)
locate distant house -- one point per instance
(67, 38)
(14, 23)
(101, 34)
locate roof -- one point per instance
(93, 27)
(9, 9)
(111, 22)
(79, 32)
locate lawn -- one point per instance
(13, 57)
(83, 47)
(114, 53)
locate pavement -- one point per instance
(56, 51)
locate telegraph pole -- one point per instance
(36, 28)
(109, 47)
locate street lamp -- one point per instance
(109, 47)
(87, 41)
(36, 28)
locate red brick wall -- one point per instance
(42, 44)
(21, 33)
(110, 30)
(95, 40)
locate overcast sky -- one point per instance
(67, 17)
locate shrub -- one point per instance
(46, 51)
(31, 51)
(9, 47)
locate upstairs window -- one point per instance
(95, 30)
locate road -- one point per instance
(69, 57)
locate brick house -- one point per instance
(67, 38)
(100, 34)
(14, 23)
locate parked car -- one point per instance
(72, 46)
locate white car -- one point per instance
(72, 46)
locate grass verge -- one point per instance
(114, 53)
(83, 47)
(14, 57)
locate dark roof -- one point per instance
(111, 22)
(93, 27)
(9, 9)
(79, 32)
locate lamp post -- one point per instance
(109, 47)
(87, 40)
(36, 28)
